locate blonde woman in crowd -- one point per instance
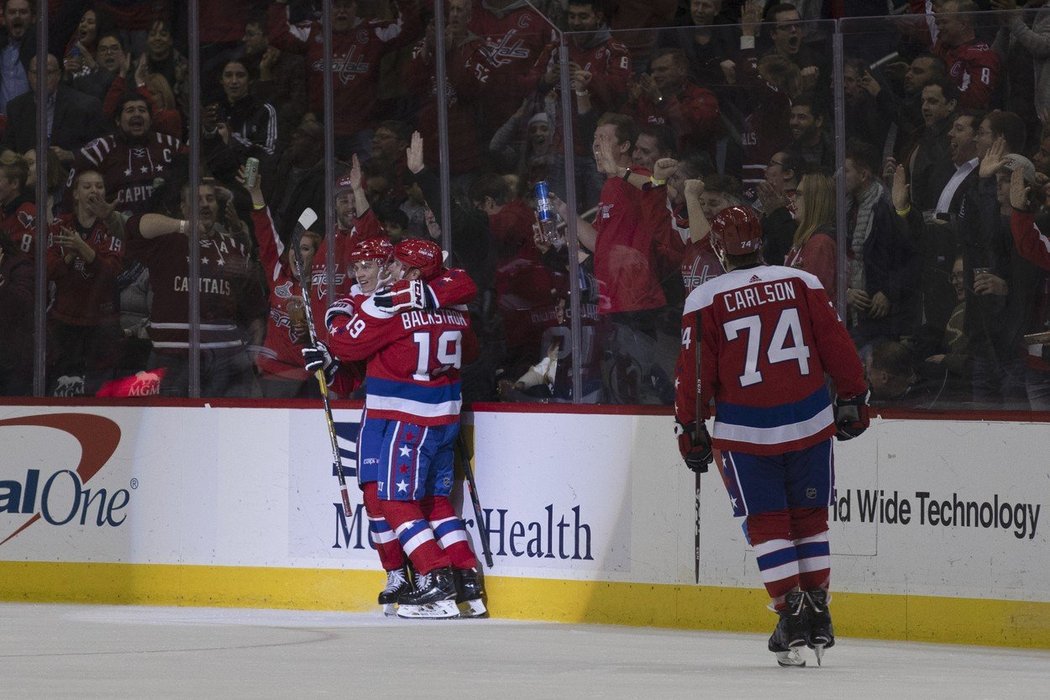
(813, 246)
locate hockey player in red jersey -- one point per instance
(368, 328)
(369, 260)
(767, 337)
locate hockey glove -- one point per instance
(339, 312)
(851, 416)
(405, 296)
(695, 446)
(318, 357)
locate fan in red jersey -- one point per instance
(232, 301)
(84, 257)
(767, 335)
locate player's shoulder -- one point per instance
(704, 295)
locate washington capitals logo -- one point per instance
(505, 50)
(345, 66)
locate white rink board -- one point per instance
(586, 497)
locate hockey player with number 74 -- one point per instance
(767, 336)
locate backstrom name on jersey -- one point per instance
(416, 319)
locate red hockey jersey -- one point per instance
(975, 68)
(414, 359)
(128, 169)
(356, 54)
(18, 222)
(230, 296)
(768, 336)
(84, 292)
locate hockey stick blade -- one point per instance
(307, 218)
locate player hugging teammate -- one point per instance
(767, 335)
(413, 337)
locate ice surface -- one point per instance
(71, 651)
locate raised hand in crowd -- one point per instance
(98, 207)
(268, 61)
(899, 192)
(605, 157)
(770, 198)
(870, 84)
(994, 159)
(751, 17)
(141, 70)
(664, 168)
(579, 79)
(414, 153)
(1019, 191)
(889, 169)
(699, 226)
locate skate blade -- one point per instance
(389, 609)
(818, 649)
(473, 608)
(790, 658)
(441, 610)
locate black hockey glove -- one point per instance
(851, 416)
(405, 296)
(318, 357)
(695, 446)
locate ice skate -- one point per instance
(398, 583)
(470, 595)
(821, 633)
(434, 597)
(791, 631)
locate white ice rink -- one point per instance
(66, 651)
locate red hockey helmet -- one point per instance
(424, 255)
(736, 231)
(378, 248)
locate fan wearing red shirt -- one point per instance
(84, 256)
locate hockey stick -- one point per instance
(698, 350)
(464, 459)
(306, 220)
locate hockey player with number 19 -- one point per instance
(414, 350)
(767, 335)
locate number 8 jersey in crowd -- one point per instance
(768, 336)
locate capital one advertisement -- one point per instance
(258, 487)
(921, 507)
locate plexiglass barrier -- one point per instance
(877, 152)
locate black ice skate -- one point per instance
(470, 594)
(791, 631)
(398, 583)
(821, 632)
(434, 597)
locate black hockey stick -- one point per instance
(698, 350)
(306, 220)
(464, 460)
